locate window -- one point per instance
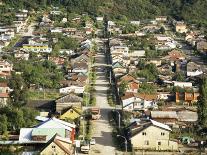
(53, 146)
(159, 143)
(146, 142)
(162, 133)
(144, 133)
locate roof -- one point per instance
(148, 97)
(56, 123)
(4, 95)
(57, 140)
(161, 125)
(69, 98)
(25, 134)
(127, 95)
(192, 67)
(3, 84)
(127, 78)
(141, 124)
(164, 114)
(187, 116)
(49, 132)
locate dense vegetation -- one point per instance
(190, 10)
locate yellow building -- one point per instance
(71, 113)
(37, 48)
(152, 135)
(58, 146)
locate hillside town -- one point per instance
(73, 84)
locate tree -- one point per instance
(202, 104)
(3, 124)
(146, 88)
(18, 96)
(123, 87)
(179, 76)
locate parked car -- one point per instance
(96, 113)
(92, 141)
(85, 147)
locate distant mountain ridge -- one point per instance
(190, 10)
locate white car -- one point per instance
(92, 141)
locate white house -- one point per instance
(182, 84)
(75, 89)
(123, 50)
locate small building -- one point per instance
(71, 113)
(181, 27)
(186, 97)
(193, 69)
(151, 135)
(202, 46)
(67, 101)
(166, 117)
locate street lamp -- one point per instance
(119, 117)
(124, 142)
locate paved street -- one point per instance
(102, 130)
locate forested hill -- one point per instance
(190, 10)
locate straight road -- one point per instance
(102, 130)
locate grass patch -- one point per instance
(35, 95)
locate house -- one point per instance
(58, 145)
(186, 97)
(166, 117)
(174, 55)
(5, 68)
(161, 18)
(38, 48)
(99, 19)
(118, 68)
(133, 101)
(145, 101)
(135, 22)
(22, 55)
(80, 67)
(119, 50)
(46, 129)
(128, 101)
(67, 101)
(181, 27)
(151, 135)
(74, 89)
(155, 61)
(202, 46)
(137, 54)
(182, 84)
(71, 113)
(4, 97)
(193, 69)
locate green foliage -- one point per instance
(130, 28)
(3, 123)
(44, 73)
(147, 88)
(179, 76)
(18, 96)
(202, 104)
(122, 88)
(149, 72)
(190, 10)
(13, 119)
